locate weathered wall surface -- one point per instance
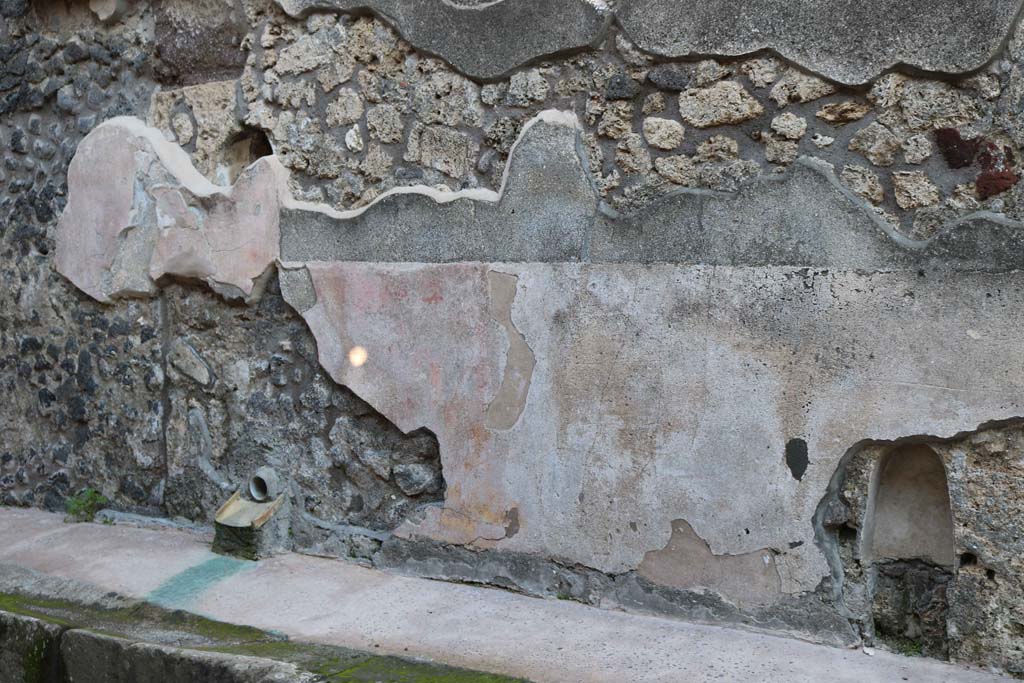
(657, 283)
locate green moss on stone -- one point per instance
(341, 665)
(32, 661)
(334, 664)
(395, 670)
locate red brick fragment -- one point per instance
(991, 183)
(957, 152)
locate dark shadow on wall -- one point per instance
(908, 541)
(243, 149)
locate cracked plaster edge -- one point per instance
(555, 117)
(601, 10)
(179, 164)
(177, 161)
(901, 66)
(506, 407)
(826, 170)
(569, 119)
(765, 48)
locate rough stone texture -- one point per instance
(844, 112)
(795, 86)
(914, 189)
(349, 471)
(877, 143)
(631, 154)
(789, 126)
(846, 42)
(108, 10)
(663, 133)
(669, 77)
(917, 149)
(910, 605)
(864, 182)
(205, 122)
(475, 39)
(779, 150)
(81, 381)
(199, 41)
(720, 104)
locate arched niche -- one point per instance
(910, 516)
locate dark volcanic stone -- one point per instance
(669, 77)
(621, 87)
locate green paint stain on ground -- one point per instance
(182, 589)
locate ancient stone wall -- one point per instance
(628, 290)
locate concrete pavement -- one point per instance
(337, 603)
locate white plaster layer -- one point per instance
(664, 392)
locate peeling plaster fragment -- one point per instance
(848, 42)
(504, 410)
(138, 210)
(475, 40)
(687, 563)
